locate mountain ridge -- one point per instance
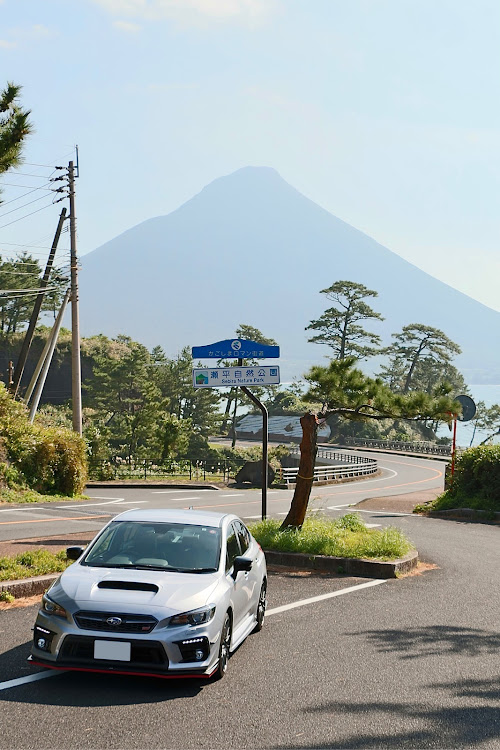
(250, 248)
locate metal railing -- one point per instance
(346, 466)
(335, 455)
(154, 468)
(333, 473)
(421, 446)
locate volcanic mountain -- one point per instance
(251, 249)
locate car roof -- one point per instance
(173, 515)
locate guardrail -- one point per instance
(348, 465)
(331, 473)
(422, 446)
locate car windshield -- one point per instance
(156, 546)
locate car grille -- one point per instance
(129, 623)
(80, 649)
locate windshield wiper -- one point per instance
(203, 570)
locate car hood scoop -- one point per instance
(134, 590)
(129, 586)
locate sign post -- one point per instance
(241, 377)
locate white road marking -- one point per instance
(179, 489)
(339, 507)
(133, 502)
(372, 525)
(103, 497)
(91, 505)
(313, 599)
(238, 494)
(28, 678)
(386, 513)
(13, 510)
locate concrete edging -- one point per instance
(347, 565)
(28, 586)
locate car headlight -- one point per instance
(196, 617)
(52, 608)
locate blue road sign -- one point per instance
(236, 349)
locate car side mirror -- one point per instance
(241, 563)
(74, 553)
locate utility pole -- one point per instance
(76, 373)
(18, 373)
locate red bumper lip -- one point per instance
(119, 670)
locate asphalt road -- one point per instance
(399, 474)
(408, 663)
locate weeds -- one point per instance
(344, 537)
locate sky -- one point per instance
(384, 112)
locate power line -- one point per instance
(12, 210)
(27, 291)
(26, 216)
(28, 174)
(33, 190)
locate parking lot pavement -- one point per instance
(402, 664)
(285, 588)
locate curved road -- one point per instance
(400, 475)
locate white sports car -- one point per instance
(161, 592)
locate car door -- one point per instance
(238, 584)
(249, 549)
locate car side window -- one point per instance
(232, 547)
(243, 536)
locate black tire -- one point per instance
(224, 646)
(261, 608)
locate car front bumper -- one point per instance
(165, 652)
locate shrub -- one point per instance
(47, 459)
(477, 473)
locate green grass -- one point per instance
(32, 563)
(30, 496)
(344, 537)
(455, 500)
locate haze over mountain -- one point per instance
(251, 249)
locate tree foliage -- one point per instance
(420, 358)
(339, 326)
(21, 275)
(342, 389)
(14, 127)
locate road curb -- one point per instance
(347, 565)
(468, 514)
(28, 586)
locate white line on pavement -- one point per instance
(238, 494)
(313, 599)
(13, 510)
(259, 516)
(28, 678)
(77, 506)
(338, 507)
(133, 502)
(372, 525)
(386, 513)
(179, 489)
(104, 497)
